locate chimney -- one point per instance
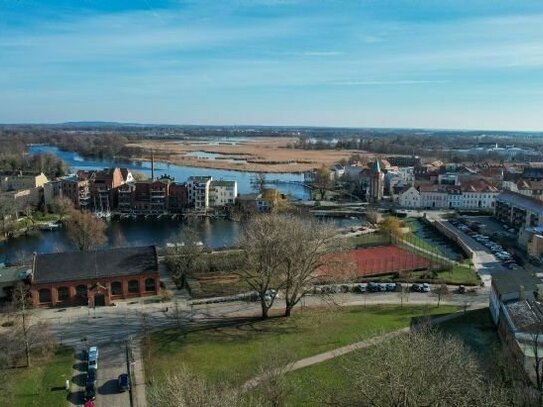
(152, 166)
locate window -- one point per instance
(150, 284)
(116, 288)
(81, 291)
(133, 286)
(45, 295)
(63, 293)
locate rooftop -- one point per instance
(521, 201)
(82, 265)
(511, 282)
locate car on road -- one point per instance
(391, 286)
(425, 288)
(415, 287)
(461, 289)
(91, 377)
(124, 382)
(361, 288)
(90, 391)
(373, 287)
(93, 357)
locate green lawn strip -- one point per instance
(310, 386)
(43, 384)
(234, 353)
(478, 332)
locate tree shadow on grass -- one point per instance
(76, 398)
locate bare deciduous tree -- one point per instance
(309, 245)
(422, 368)
(62, 206)
(263, 242)
(183, 255)
(86, 231)
(441, 292)
(186, 389)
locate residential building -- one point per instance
(18, 181)
(103, 187)
(77, 190)
(517, 311)
(94, 278)
(9, 277)
(222, 193)
(531, 240)
(472, 195)
(404, 160)
(51, 191)
(198, 192)
(178, 199)
(518, 211)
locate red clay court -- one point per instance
(376, 261)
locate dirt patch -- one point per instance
(204, 285)
(259, 155)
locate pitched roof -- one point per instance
(68, 266)
(521, 201)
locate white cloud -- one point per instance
(389, 82)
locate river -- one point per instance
(214, 233)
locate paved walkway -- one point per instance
(323, 357)
(138, 387)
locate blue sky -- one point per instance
(366, 63)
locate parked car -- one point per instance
(461, 289)
(425, 288)
(382, 287)
(124, 382)
(93, 357)
(415, 287)
(361, 288)
(91, 377)
(90, 392)
(373, 287)
(391, 286)
(89, 403)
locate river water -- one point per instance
(215, 233)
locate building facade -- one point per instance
(94, 278)
(198, 192)
(222, 193)
(518, 211)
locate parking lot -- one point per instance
(484, 260)
(436, 239)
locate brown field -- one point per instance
(263, 154)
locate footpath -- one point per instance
(323, 357)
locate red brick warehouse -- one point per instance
(94, 278)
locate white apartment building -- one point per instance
(470, 196)
(222, 193)
(198, 191)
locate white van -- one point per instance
(93, 357)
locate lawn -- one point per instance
(43, 384)
(234, 353)
(310, 386)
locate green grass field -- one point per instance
(234, 353)
(314, 385)
(41, 385)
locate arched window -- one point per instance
(63, 293)
(45, 295)
(150, 284)
(81, 291)
(116, 288)
(133, 286)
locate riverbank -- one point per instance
(262, 155)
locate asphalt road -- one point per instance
(484, 260)
(111, 363)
